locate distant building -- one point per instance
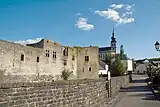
(103, 68)
(45, 60)
(128, 65)
(141, 66)
(156, 63)
(111, 49)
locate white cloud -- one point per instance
(116, 6)
(78, 14)
(125, 20)
(129, 7)
(125, 6)
(129, 13)
(29, 41)
(120, 17)
(109, 14)
(82, 23)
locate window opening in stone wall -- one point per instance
(65, 62)
(54, 55)
(22, 57)
(47, 53)
(37, 58)
(90, 69)
(73, 57)
(65, 52)
(86, 58)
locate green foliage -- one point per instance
(118, 67)
(65, 74)
(108, 58)
(154, 59)
(121, 51)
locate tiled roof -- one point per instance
(102, 65)
(105, 49)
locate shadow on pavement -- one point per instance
(151, 97)
(135, 89)
(139, 81)
(141, 94)
(145, 96)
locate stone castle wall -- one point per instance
(47, 68)
(80, 93)
(88, 69)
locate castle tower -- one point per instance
(113, 42)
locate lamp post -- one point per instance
(156, 78)
(157, 46)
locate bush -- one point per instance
(118, 67)
(65, 74)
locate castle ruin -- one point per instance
(45, 60)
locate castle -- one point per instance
(45, 60)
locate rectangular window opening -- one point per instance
(73, 57)
(37, 59)
(65, 62)
(47, 53)
(86, 58)
(22, 57)
(54, 55)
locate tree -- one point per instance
(65, 74)
(118, 67)
(154, 59)
(121, 52)
(123, 56)
(108, 58)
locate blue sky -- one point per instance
(84, 23)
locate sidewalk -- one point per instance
(138, 94)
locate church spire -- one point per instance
(113, 41)
(113, 32)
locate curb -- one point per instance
(114, 100)
(157, 96)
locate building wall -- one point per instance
(71, 62)
(141, 68)
(84, 66)
(130, 65)
(48, 68)
(102, 55)
(105, 71)
(127, 65)
(12, 66)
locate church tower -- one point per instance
(113, 42)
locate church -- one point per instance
(111, 49)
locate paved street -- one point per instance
(138, 94)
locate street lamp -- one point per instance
(157, 46)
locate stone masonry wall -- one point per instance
(117, 83)
(80, 93)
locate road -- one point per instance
(138, 94)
